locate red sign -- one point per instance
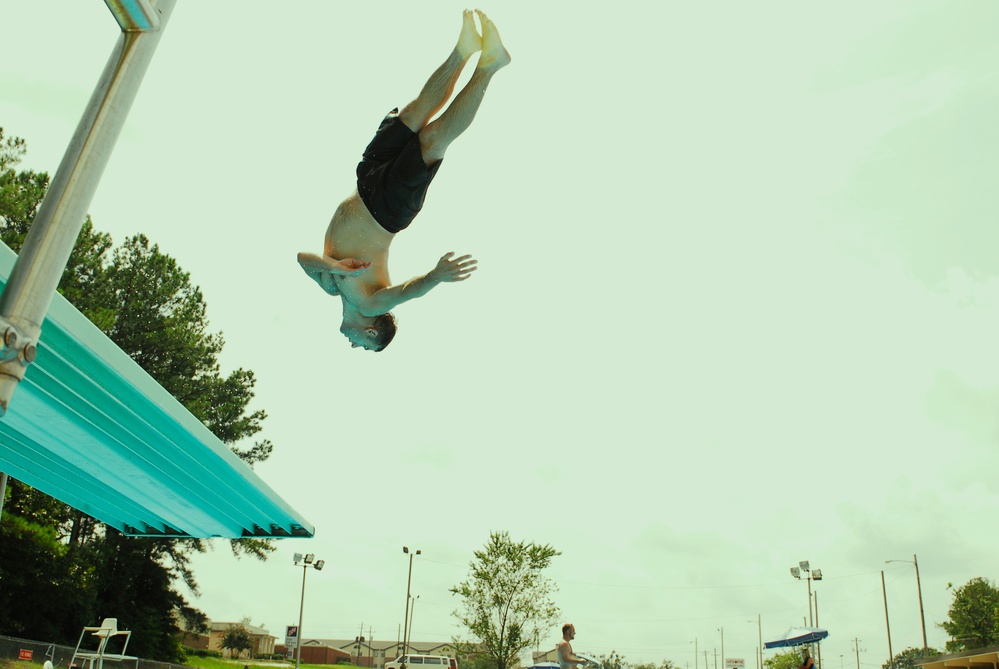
(23, 654)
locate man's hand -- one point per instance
(449, 270)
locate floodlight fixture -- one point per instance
(319, 565)
(804, 565)
(816, 574)
(297, 558)
(309, 558)
(795, 572)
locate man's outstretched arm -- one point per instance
(321, 269)
(448, 270)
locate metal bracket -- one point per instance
(16, 346)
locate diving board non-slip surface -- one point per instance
(91, 428)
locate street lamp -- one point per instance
(405, 620)
(307, 561)
(813, 575)
(919, 590)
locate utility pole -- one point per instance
(919, 589)
(884, 593)
(360, 641)
(856, 649)
(759, 631)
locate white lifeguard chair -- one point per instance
(94, 659)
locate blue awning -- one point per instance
(91, 428)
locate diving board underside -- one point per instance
(91, 428)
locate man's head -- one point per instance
(568, 631)
(372, 336)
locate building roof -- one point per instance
(424, 647)
(91, 428)
(982, 657)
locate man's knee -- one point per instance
(432, 145)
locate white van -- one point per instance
(420, 662)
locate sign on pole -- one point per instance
(735, 663)
(292, 632)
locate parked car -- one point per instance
(421, 662)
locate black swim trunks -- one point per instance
(392, 178)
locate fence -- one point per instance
(12, 648)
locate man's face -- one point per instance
(572, 632)
(359, 337)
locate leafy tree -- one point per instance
(907, 658)
(785, 659)
(146, 304)
(665, 664)
(237, 640)
(974, 616)
(506, 597)
(612, 661)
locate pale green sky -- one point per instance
(737, 304)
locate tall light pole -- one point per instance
(405, 620)
(722, 630)
(919, 590)
(307, 561)
(813, 575)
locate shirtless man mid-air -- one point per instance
(392, 180)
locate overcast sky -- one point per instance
(736, 306)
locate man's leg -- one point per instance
(437, 136)
(439, 87)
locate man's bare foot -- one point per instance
(469, 41)
(494, 54)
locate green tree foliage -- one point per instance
(785, 659)
(616, 661)
(146, 304)
(907, 658)
(974, 616)
(665, 664)
(237, 640)
(612, 661)
(506, 597)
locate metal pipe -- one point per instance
(42, 260)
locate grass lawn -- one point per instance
(216, 663)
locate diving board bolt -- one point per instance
(9, 351)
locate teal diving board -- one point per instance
(94, 430)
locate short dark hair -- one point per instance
(386, 327)
(566, 628)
